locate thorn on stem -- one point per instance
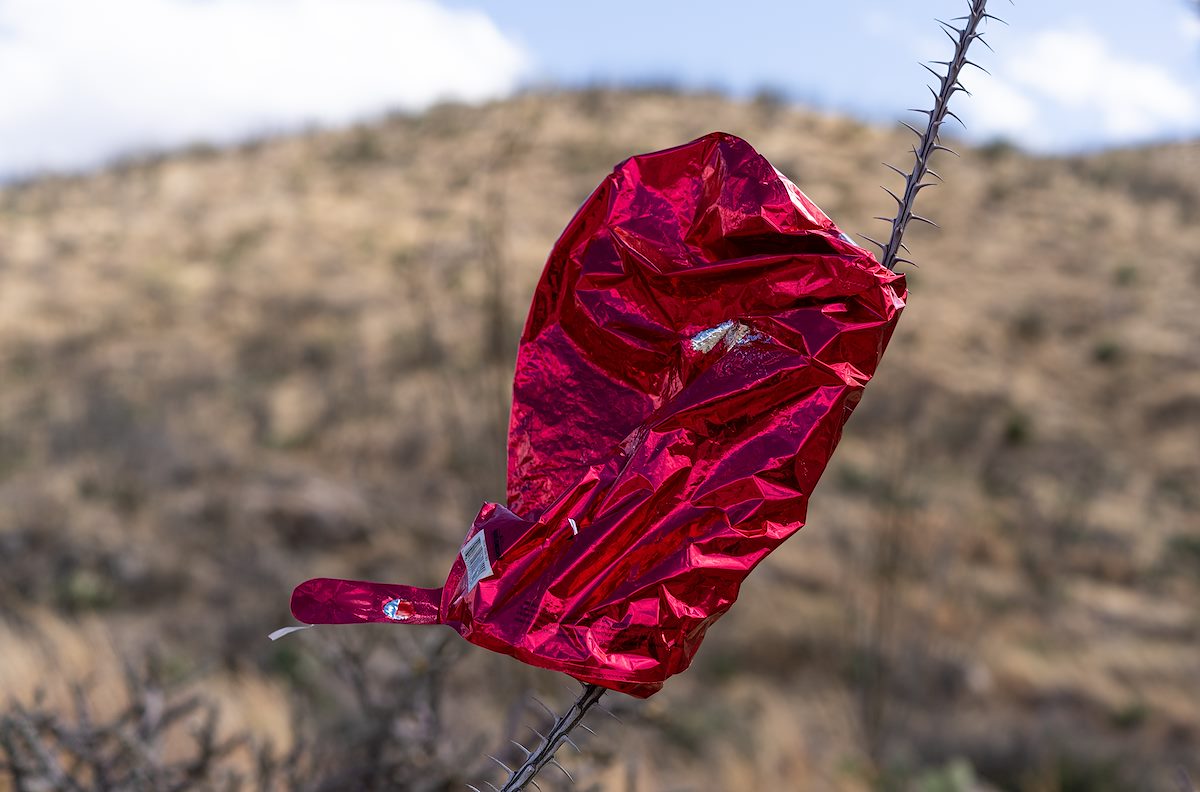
(507, 769)
(542, 704)
(565, 771)
(874, 242)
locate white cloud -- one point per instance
(1063, 87)
(85, 80)
(1189, 27)
(1003, 110)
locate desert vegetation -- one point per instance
(225, 370)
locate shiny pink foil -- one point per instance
(698, 338)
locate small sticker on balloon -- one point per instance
(475, 556)
(397, 610)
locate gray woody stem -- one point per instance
(559, 733)
(928, 142)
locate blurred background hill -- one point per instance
(224, 370)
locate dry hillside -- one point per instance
(224, 371)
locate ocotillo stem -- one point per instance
(929, 143)
(559, 733)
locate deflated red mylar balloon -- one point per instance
(698, 338)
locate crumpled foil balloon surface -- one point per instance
(699, 336)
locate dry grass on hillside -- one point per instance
(224, 371)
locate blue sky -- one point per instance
(83, 81)
(1067, 74)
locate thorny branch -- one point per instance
(538, 758)
(929, 141)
